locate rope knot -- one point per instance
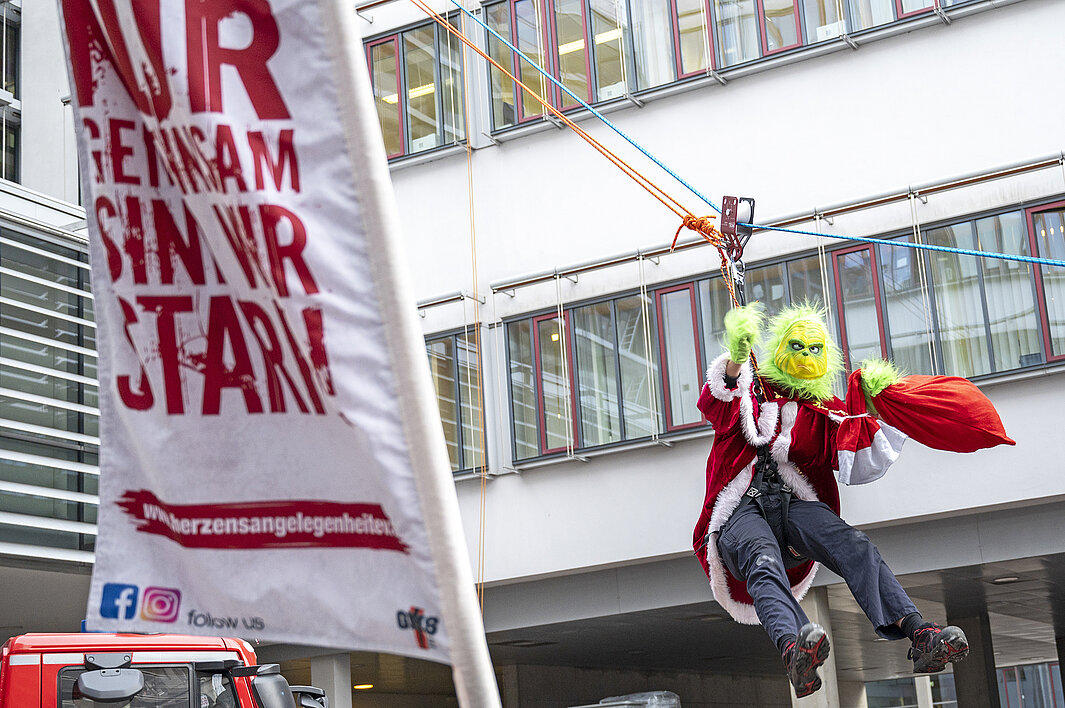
(703, 225)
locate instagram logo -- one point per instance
(160, 604)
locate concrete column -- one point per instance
(974, 678)
(332, 674)
(852, 694)
(815, 604)
(924, 691)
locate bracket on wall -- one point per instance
(359, 13)
(633, 100)
(940, 13)
(923, 198)
(553, 120)
(491, 139)
(716, 76)
(830, 220)
(850, 42)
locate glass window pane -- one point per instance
(714, 302)
(639, 367)
(504, 108)
(40, 414)
(766, 285)
(804, 279)
(597, 376)
(38, 384)
(40, 325)
(859, 306)
(419, 57)
(653, 35)
(523, 408)
(906, 317)
(1015, 334)
(691, 23)
(558, 414)
(442, 367)
(943, 694)
(893, 693)
(11, 59)
(469, 363)
(572, 49)
(12, 141)
(46, 356)
(869, 13)
(1050, 242)
(909, 6)
(609, 36)
(528, 21)
(959, 302)
(163, 686)
(453, 92)
(736, 31)
(781, 24)
(681, 357)
(386, 94)
(823, 20)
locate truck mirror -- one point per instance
(111, 685)
(309, 697)
(272, 691)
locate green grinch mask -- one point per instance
(801, 351)
(800, 358)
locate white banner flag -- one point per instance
(264, 394)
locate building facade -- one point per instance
(568, 345)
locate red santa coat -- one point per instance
(809, 441)
(802, 437)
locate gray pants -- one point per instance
(750, 550)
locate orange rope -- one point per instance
(701, 225)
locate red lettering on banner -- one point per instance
(312, 318)
(89, 40)
(265, 524)
(119, 151)
(206, 56)
(272, 216)
(273, 358)
(142, 398)
(236, 225)
(106, 208)
(286, 155)
(223, 329)
(227, 162)
(166, 309)
(172, 245)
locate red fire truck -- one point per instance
(142, 671)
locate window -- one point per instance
(11, 51)
(589, 379)
(417, 88)
(456, 371)
(1048, 235)
(681, 356)
(48, 394)
(164, 687)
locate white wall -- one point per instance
(49, 154)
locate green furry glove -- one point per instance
(877, 375)
(743, 328)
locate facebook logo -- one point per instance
(119, 601)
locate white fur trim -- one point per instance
(871, 463)
(715, 379)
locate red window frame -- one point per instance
(541, 412)
(901, 14)
(400, 98)
(763, 28)
(560, 98)
(515, 62)
(663, 367)
(678, 61)
(877, 299)
(1033, 248)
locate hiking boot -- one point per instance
(802, 657)
(934, 647)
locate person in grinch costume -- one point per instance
(771, 512)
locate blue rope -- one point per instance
(693, 190)
(594, 112)
(921, 246)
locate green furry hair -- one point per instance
(819, 389)
(878, 374)
(743, 330)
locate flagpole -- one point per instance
(471, 665)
